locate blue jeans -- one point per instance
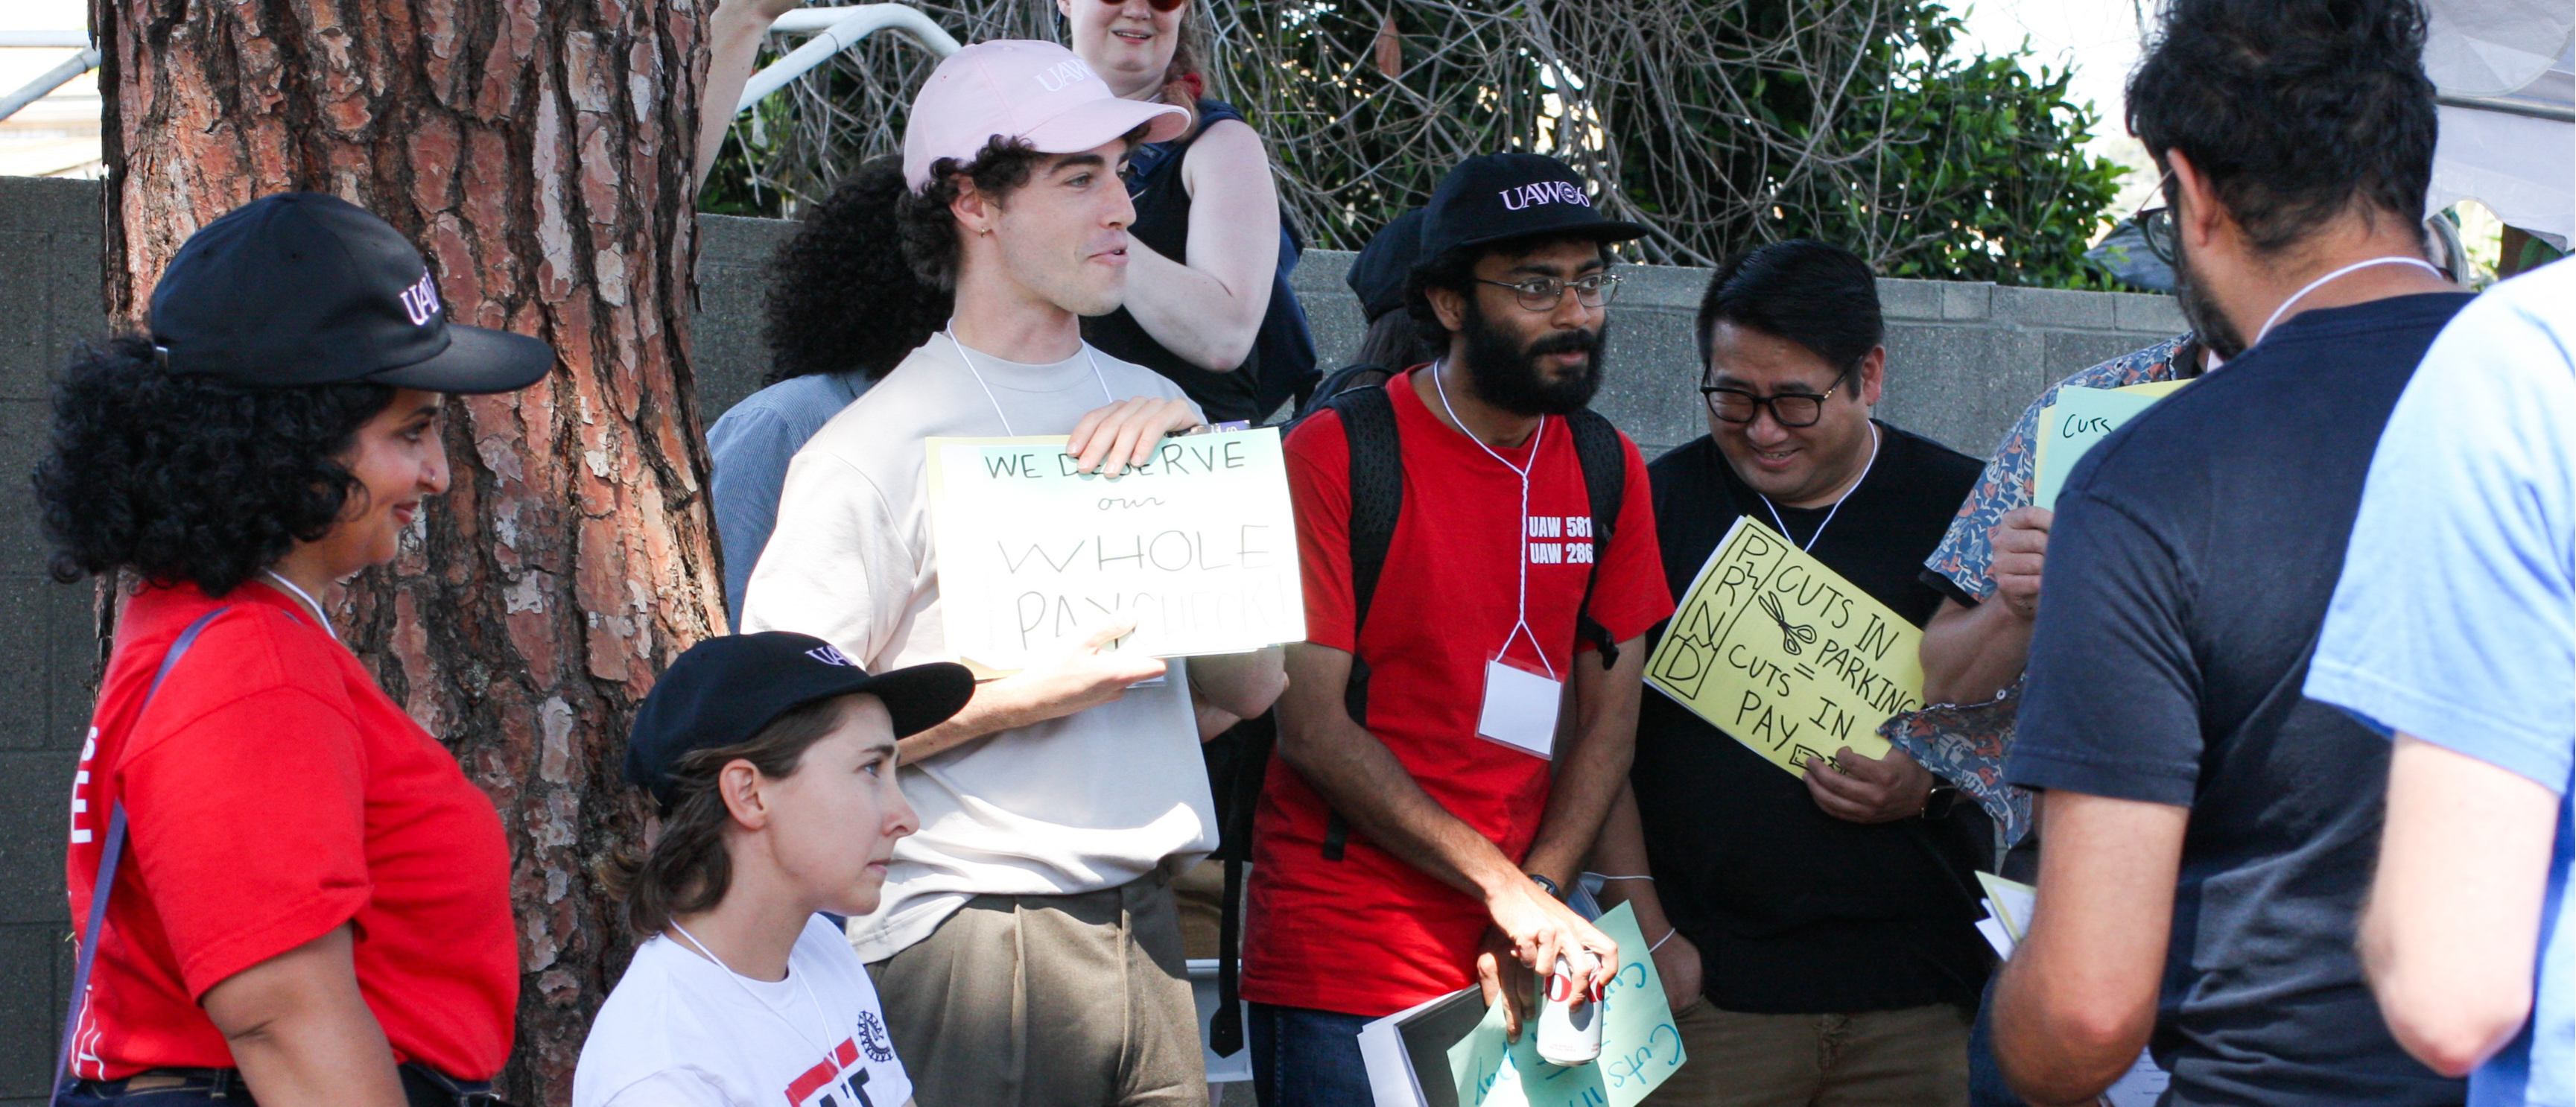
(1308, 1058)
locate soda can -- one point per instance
(1569, 1014)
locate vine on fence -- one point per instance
(1720, 124)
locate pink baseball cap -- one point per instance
(1037, 91)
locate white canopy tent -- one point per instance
(2506, 71)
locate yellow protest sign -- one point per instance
(1784, 655)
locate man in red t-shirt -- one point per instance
(1411, 853)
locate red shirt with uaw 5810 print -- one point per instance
(272, 793)
(1369, 934)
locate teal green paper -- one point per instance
(2071, 427)
(1639, 1046)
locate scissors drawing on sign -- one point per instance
(1790, 634)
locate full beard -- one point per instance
(1507, 374)
(2216, 332)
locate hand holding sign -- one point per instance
(2020, 543)
(1786, 656)
(1126, 433)
(1093, 671)
(1640, 1046)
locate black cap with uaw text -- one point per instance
(1493, 197)
(300, 289)
(724, 691)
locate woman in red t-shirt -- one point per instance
(281, 881)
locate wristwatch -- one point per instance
(1549, 885)
(1939, 802)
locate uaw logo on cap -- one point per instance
(1065, 73)
(1544, 192)
(420, 301)
(831, 655)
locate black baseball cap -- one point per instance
(1377, 275)
(724, 690)
(300, 289)
(1494, 197)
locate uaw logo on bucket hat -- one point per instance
(1544, 192)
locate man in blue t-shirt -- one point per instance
(2455, 628)
(2209, 832)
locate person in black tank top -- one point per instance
(1207, 303)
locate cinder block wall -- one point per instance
(1962, 360)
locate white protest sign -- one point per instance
(1199, 547)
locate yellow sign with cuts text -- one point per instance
(1786, 656)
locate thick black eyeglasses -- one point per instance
(1544, 293)
(1790, 409)
(2156, 225)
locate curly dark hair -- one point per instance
(187, 478)
(930, 231)
(2293, 109)
(839, 298)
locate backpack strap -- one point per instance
(108, 856)
(1377, 498)
(1605, 482)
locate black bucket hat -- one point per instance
(1494, 197)
(301, 289)
(1377, 275)
(724, 690)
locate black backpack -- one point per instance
(1357, 394)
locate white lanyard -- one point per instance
(2320, 282)
(951, 332)
(318, 616)
(1838, 501)
(1520, 626)
(819, 1014)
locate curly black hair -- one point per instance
(930, 231)
(186, 478)
(2293, 109)
(842, 296)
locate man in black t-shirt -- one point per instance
(2210, 832)
(1817, 937)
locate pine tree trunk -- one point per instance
(538, 151)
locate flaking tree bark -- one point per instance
(538, 151)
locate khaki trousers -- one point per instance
(1916, 1056)
(1049, 1001)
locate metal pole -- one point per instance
(835, 30)
(55, 78)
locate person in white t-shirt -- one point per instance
(772, 759)
(1027, 948)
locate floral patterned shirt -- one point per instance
(1964, 561)
(1965, 745)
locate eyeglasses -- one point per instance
(1544, 293)
(2156, 226)
(1790, 409)
(1159, 5)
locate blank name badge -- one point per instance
(1520, 708)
